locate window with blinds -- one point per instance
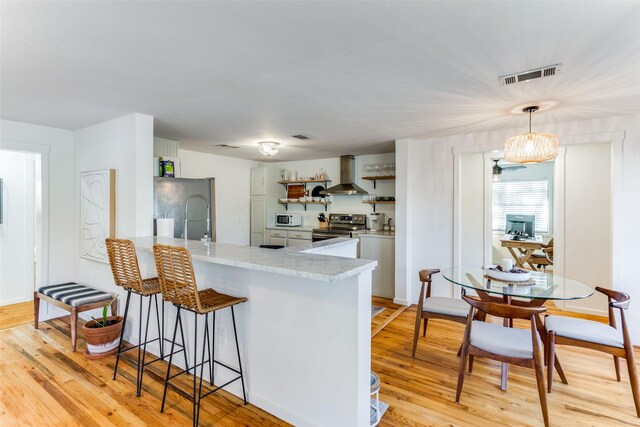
(521, 198)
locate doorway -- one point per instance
(584, 212)
(19, 205)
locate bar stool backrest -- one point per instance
(175, 273)
(124, 265)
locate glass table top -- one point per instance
(548, 286)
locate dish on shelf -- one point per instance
(292, 200)
(302, 199)
(513, 275)
(316, 191)
(317, 199)
(284, 200)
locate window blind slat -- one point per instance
(521, 198)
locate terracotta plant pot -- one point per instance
(102, 342)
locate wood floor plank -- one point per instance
(43, 383)
(421, 391)
(81, 392)
(16, 314)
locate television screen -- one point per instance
(521, 225)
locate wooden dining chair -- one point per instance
(508, 345)
(544, 258)
(452, 309)
(596, 336)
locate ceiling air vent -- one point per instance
(226, 146)
(548, 71)
(302, 137)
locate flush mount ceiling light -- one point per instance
(532, 147)
(268, 148)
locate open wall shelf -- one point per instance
(378, 178)
(379, 202)
(286, 204)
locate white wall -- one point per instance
(588, 221)
(233, 182)
(57, 148)
(341, 204)
(17, 231)
(428, 238)
(126, 145)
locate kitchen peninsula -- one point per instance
(304, 332)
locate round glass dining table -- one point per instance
(548, 286)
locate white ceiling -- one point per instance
(355, 75)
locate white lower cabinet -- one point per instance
(278, 241)
(297, 242)
(288, 237)
(383, 276)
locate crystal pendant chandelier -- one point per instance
(532, 147)
(268, 148)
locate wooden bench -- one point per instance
(74, 298)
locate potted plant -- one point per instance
(102, 335)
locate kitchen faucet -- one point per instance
(186, 215)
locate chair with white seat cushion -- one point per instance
(520, 347)
(596, 336)
(429, 307)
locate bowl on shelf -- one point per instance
(284, 200)
(292, 200)
(302, 199)
(317, 199)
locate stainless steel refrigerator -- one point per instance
(174, 197)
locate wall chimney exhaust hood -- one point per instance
(347, 184)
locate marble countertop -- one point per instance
(289, 261)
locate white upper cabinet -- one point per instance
(258, 187)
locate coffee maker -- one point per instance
(376, 221)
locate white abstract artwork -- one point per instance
(97, 213)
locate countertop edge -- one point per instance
(352, 271)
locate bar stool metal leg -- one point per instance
(173, 343)
(235, 334)
(144, 348)
(205, 347)
(213, 348)
(195, 364)
(184, 348)
(124, 324)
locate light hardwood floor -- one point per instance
(421, 391)
(44, 384)
(15, 314)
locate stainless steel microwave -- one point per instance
(288, 220)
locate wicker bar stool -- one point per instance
(126, 273)
(178, 284)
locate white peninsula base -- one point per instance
(304, 333)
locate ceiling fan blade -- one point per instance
(514, 168)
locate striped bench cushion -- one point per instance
(75, 294)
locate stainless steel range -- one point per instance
(340, 225)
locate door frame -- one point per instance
(41, 204)
(615, 139)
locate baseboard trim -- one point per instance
(401, 301)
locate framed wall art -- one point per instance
(97, 213)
